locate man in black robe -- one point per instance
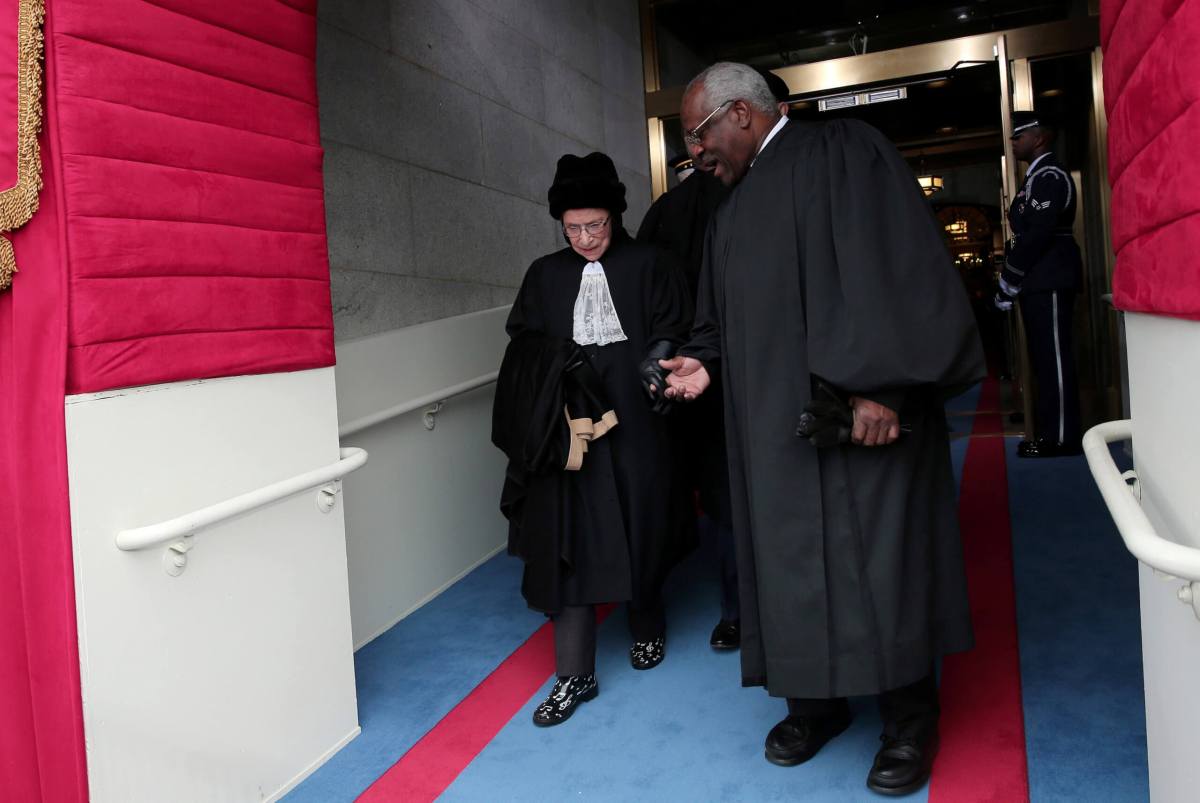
(826, 265)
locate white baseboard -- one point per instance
(316, 765)
(430, 597)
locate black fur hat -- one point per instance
(586, 182)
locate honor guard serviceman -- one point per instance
(1043, 269)
(826, 284)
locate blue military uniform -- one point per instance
(1043, 269)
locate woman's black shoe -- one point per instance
(647, 654)
(565, 697)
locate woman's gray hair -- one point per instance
(727, 80)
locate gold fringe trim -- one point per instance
(8, 263)
(20, 201)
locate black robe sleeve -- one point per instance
(885, 309)
(670, 302)
(704, 342)
(648, 232)
(526, 313)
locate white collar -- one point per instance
(1034, 163)
(770, 135)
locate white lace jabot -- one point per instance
(596, 318)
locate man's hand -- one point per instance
(874, 424)
(688, 378)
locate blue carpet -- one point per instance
(685, 730)
(411, 676)
(688, 731)
(1080, 639)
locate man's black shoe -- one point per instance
(798, 738)
(902, 766)
(726, 635)
(1047, 448)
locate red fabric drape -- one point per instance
(190, 160)
(41, 727)
(1151, 93)
(180, 235)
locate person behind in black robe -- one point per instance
(676, 222)
(626, 517)
(827, 286)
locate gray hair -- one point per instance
(727, 80)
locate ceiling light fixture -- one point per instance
(931, 184)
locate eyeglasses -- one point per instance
(693, 137)
(573, 230)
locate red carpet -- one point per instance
(433, 763)
(982, 756)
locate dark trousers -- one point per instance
(910, 711)
(575, 633)
(722, 534)
(1048, 317)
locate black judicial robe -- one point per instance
(826, 261)
(677, 222)
(679, 218)
(628, 515)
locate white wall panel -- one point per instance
(1164, 383)
(425, 509)
(235, 679)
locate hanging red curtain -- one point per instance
(41, 731)
(180, 234)
(1151, 94)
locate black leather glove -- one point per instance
(654, 374)
(827, 420)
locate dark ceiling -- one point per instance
(776, 34)
(946, 120)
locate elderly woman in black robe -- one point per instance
(610, 531)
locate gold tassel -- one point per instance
(20, 201)
(8, 263)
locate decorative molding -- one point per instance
(20, 201)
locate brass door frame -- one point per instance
(1023, 44)
(1031, 42)
(650, 77)
(1016, 94)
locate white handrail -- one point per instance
(1136, 530)
(182, 526)
(359, 424)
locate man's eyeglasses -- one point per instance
(573, 230)
(693, 137)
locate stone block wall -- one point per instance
(442, 121)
